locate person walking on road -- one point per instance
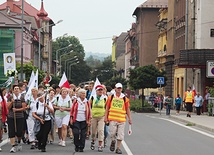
(41, 111)
(3, 114)
(168, 103)
(117, 107)
(79, 120)
(62, 106)
(188, 99)
(98, 105)
(15, 119)
(198, 103)
(31, 102)
(178, 102)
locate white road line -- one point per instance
(128, 151)
(4, 142)
(187, 127)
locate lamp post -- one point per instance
(75, 58)
(60, 60)
(49, 60)
(40, 39)
(22, 41)
(70, 67)
(57, 54)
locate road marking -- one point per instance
(187, 127)
(5, 141)
(128, 151)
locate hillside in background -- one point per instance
(98, 56)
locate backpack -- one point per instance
(92, 98)
(57, 99)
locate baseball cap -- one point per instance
(99, 87)
(119, 85)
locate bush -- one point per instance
(136, 105)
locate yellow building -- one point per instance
(162, 39)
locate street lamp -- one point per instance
(57, 54)
(75, 58)
(40, 39)
(60, 59)
(70, 68)
(49, 60)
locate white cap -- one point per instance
(119, 85)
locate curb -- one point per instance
(195, 124)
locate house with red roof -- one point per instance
(35, 22)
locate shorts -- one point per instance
(62, 120)
(117, 128)
(178, 106)
(189, 106)
(11, 127)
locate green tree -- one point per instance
(111, 82)
(93, 63)
(27, 69)
(103, 72)
(145, 77)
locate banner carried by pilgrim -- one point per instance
(9, 62)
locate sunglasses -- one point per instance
(119, 88)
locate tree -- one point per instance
(103, 72)
(28, 68)
(93, 63)
(145, 77)
(111, 82)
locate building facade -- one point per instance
(37, 33)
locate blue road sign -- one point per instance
(160, 80)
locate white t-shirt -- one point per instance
(40, 110)
(81, 110)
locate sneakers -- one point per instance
(13, 149)
(60, 142)
(0, 149)
(118, 151)
(112, 146)
(100, 149)
(19, 147)
(33, 146)
(63, 144)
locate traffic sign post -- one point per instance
(160, 81)
(210, 69)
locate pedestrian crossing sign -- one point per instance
(160, 80)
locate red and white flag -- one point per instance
(64, 82)
(193, 89)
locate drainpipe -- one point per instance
(186, 36)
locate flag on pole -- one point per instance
(193, 89)
(64, 82)
(36, 79)
(31, 79)
(32, 85)
(93, 93)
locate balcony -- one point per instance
(194, 58)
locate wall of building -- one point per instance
(204, 24)
(148, 45)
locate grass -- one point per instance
(190, 124)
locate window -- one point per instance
(211, 32)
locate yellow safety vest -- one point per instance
(117, 111)
(189, 97)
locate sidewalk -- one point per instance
(203, 121)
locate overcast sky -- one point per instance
(90, 19)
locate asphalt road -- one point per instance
(152, 134)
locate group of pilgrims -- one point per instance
(73, 112)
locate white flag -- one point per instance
(36, 79)
(93, 93)
(32, 85)
(31, 79)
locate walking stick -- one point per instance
(14, 116)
